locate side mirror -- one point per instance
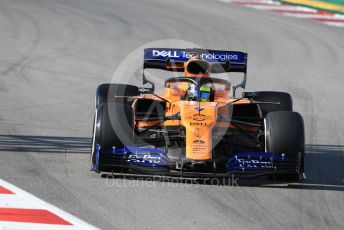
(145, 90)
(249, 95)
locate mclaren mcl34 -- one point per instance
(197, 127)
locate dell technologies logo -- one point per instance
(223, 56)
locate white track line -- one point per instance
(313, 16)
(338, 24)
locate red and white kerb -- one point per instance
(21, 210)
(303, 12)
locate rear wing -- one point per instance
(174, 59)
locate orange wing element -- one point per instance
(221, 95)
(198, 128)
(174, 94)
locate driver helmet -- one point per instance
(205, 92)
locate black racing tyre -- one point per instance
(113, 127)
(284, 133)
(285, 100)
(106, 93)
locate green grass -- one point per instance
(338, 2)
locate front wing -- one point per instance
(155, 162)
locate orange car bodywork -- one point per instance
(198, 118)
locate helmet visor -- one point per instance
(205, 95)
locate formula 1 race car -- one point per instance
(196, 128)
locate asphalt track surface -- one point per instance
(54, 53)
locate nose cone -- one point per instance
(198, 120)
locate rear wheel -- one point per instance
(113, 127)
(284, 99)
(284, 133)
(107, 93)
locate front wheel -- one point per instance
(284, 134)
